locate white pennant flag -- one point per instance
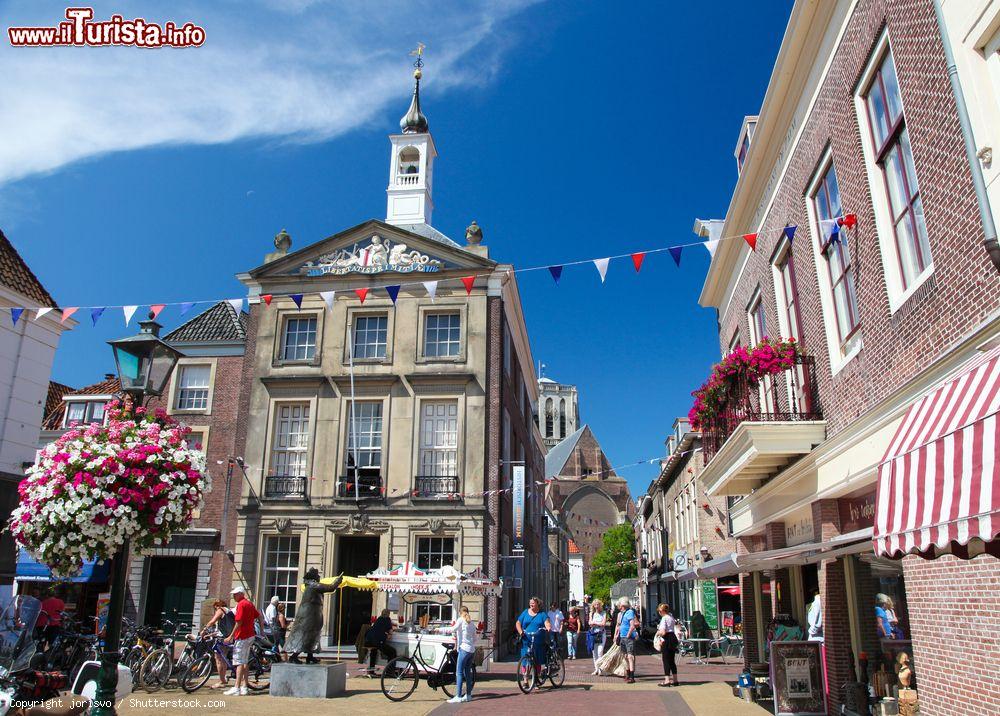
(714, 235)
(432, 288)
(828, 227)
(41, 312)
(328, 299)
(711, 246)
(602, 267)
(236, 303)
(129, 311)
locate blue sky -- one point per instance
(567, 130)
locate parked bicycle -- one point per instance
(202, 667)
(401, 675)
(531, 674)
(158, 666)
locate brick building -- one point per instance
(857, 189)
(680, 528)
(205, 392)
(586, 494)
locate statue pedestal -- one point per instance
(308, 681)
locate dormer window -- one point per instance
(743, 146)
(84, 412)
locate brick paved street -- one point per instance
(703, 690)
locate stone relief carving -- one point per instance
(377, 256)
(358, 523)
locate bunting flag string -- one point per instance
(830, 230)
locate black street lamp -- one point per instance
(645, 558)
(144, 364)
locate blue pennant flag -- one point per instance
(95, 314)
(393, 292)
(186, 306)
(556, 272)
(297, 297)
(789, 231)
(15, 313)
(675, 252)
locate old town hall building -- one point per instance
(392, 396)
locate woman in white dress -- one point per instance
(597, 632)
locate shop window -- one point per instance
(435, 612)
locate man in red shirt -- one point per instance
(242, 637)
(51, 616)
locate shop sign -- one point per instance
(797, 678)
(799, 527)
(518, 501)
(710, 603)
(857, 513)
(680, 560)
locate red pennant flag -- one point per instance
(67, 312)
(849, 220)
(752, 240)
(156, 308)
(266, 298)
(362, 293)
(469, 282)
(637, 260)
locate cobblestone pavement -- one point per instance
(703, 691)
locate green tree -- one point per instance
(614, 560)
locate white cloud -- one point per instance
(303, 70)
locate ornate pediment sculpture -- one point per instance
(376, 256)
(358, 523)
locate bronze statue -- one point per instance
(308, 623)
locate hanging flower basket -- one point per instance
(136, 478)
(741, 367)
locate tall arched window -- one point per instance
(562, 418)
(548, 418)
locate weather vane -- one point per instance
(419, 54)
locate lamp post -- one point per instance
(144, 364)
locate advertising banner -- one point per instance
(710, 603)
(518, 494)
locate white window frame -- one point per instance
(89, 407)
(879, 191)
(783, 257)
(765, 390)
(452, 345)
(356, 415)
(287, 577)
(285, 325)
(184, 370)
(282, 449)
(838, 356)
(439, 431)
(366, 317)
(175, 386)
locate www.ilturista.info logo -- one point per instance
(81, 31)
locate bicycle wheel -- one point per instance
(133, 660)
(155, 671)
(557, 670)
(399, 678)
(258, 671)
(196, 675)
(446, 677)
(526, 674)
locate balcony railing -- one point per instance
(407, 179)
(784, 397)
(432, 487)
(363, 487)
(286, 487)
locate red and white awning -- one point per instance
(939, 482)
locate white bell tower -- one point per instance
(411, 165)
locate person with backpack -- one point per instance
(222, 622)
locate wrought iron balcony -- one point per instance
(434, 487)
(761, 428)
(293, 488)
(361, 487)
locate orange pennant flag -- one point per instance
(469, 282)
(156, 308)
(637, 260)
(752, 240)
(67, 312)
(362, 293)
(266, 298)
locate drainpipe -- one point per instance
(985, 213)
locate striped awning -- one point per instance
(938, 484)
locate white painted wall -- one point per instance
(576, 578)
(27, 351)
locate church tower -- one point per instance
(412, 162)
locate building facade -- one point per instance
(585, 492)
(860, 198)
(558, 411)
(392, 402)
(28, 342)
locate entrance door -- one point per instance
(170, 590)
(356, 557)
